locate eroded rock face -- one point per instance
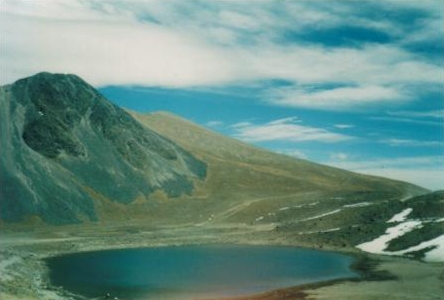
(66, 142)
(56, 105)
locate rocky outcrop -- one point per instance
(64, 143)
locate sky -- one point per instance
(352, 84)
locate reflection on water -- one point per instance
(187, 272)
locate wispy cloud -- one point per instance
(339, 156)
(418, 114)
(286, 121)
(242, 125)
(425, 171)
(401, 162)
(429, 178)
(286, 130)
(197, 43)
(104, 48)
(407, 120)
(339, 56)
(336, 98)
(412, 143)
(293, 152)
(214, 123)
(422, 117)
(344, 126)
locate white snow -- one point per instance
(284, 208)
(379, 244)
(400, 217)
(5, 265)
(260, 218)
(439, 220)
(360, 204)
(322, 215)
(435, 255)
(330, 230)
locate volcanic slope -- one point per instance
(300, 200)
(238, 168)
(69, 155)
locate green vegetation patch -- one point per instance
(428, 232)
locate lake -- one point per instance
(193, 272)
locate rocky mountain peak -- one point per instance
(59, 126)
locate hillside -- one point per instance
(73, 157)
(119, 179)
(67, 152)
(244, 168)
(300, 201)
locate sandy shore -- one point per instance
(411, 281)
(23, 274)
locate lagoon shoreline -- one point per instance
(25, 275)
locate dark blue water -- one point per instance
(192, 272)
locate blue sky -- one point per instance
(353, 84)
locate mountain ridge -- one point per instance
(206, 143)
(73, 156)
(67, 141)
(94, 166)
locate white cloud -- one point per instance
(61, 10)
(339, 156)
(183, 44)
(425, 171)
(418, 114)
(427, 178)
(337, 98)
(379, 69)
(382, 163)
(214, 123)
(407, 120)
(286, 130)
(117, 51)
(344, 126)
(285, 120)
(293, 152)
(241, 125)
(412, 143)
(235, 19)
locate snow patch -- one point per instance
(435, 255)
(360, 204)
(400, 217)
(258, 219)
(323, 215)
(284, 208)
(379, 244)
(331, 230)
(5, 267)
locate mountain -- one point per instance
(260, 172)
(67, 151)
(69, 155)
(287, 199)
